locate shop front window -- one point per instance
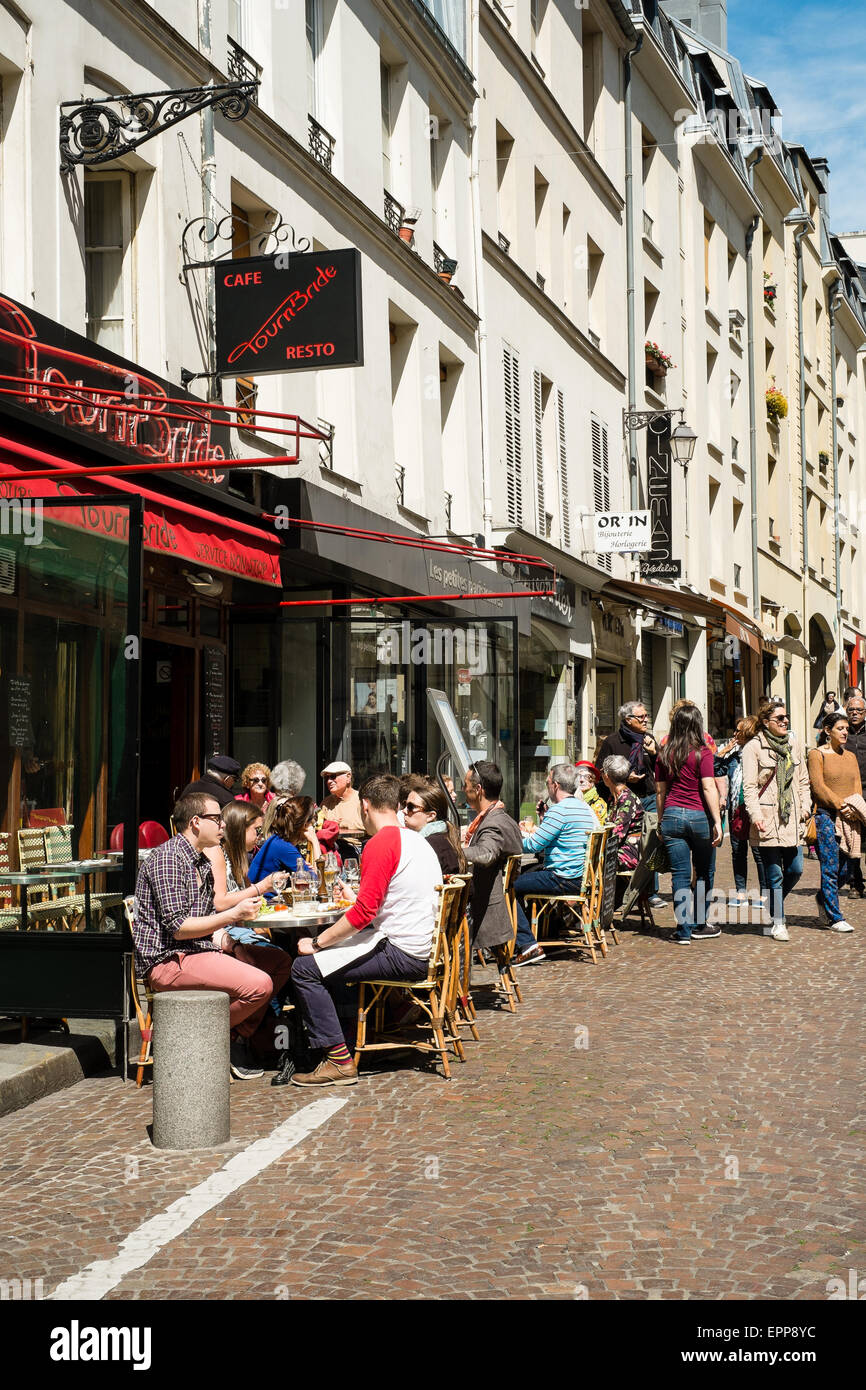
(64, 665)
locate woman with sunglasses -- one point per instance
(426, 812)
(778, 799)
(835, 776)
(256, 781)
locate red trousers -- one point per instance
(249, 977)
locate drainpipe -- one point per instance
(209, 205)
(487, 503)
(804, 496)
(629, 272)
(835, 299)
(753, 419)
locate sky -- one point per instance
(812, 56)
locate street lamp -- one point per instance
(683, 441)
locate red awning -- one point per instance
(171, 527)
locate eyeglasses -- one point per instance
(779, 718)
(255, 781)
(412, 808)
(215, 816)
(641, 718)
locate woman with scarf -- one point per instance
(778, 799)
(834, 774)
(689, 821)
(426, 811)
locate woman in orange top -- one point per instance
(834, 775)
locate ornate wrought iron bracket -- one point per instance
(649, 419)
(100, 129)
(279, 238)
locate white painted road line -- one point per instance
(99, 1278)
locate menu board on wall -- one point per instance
(20, 706)
(214, 694)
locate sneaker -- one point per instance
(681, 940)
(705, 933)
(242, 1064)
(656, 902)
(841, 925)
(822, 911)
(780, 932)
(534, 956)
(328, 1073)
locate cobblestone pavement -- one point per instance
(706, 1143)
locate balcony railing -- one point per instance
(400, 479)
(241, 66)
(321, 144)
(394, 213)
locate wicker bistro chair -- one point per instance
(582, 909)
(464, 1006)
(9, 918)
(58, 850)
(143, 1010)
(506, 989)
(59, 907)
(435, 995)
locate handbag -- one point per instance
(811, 833)
(741, 821)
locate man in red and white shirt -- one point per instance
(385, 935)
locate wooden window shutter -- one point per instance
(600, 478)
(541, 515)
(563, 471)
(513, 479)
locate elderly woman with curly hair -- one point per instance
(256, 782)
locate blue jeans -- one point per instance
(687, 836)
(740, 861)
(537, 881)
(783, 866)
(834, 865)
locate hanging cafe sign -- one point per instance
(288, 312)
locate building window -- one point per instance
(387, 128)
(708, 246)
(237, 25)
(108, 289)
(314, 49)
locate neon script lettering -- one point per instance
(291, 306)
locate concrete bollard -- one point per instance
(190, 1069)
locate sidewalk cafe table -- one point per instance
(57, 873)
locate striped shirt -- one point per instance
(562, 835)
(175, 882)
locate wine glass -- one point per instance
(332, 871)
(351, 872)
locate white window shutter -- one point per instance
(513, 479)
(563, 472)
(541, 515)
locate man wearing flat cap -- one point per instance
(342, 803)
(218, 780)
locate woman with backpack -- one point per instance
(738, 817)
(689, 820)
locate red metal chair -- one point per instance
(150, 834)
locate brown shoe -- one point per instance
(328, 1073)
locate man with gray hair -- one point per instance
(562, 838)
(633, 740)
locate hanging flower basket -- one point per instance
(769, 290)
(777, 405)
(657, 361)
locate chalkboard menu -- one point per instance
(608, 900)
(214, 690)
(19, 702)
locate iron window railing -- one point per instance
(241, 66)
(394, 213)
(321, 144)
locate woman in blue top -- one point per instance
(291, 821)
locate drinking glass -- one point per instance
(331, 873)
(351, 872)
(302, 884)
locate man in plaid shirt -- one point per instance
(179, 941)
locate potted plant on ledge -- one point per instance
(407, 224)
(657, 361)
(769, 290)
(777, 404)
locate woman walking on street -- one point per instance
(835, 776)
(738, 821)
(689, 820)
(777, 798)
